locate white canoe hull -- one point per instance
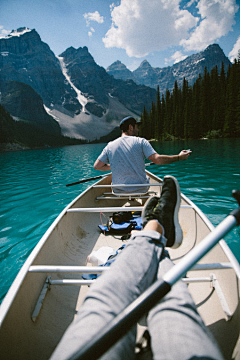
(68, 242)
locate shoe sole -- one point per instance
(178, 230)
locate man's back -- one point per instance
(126, 156)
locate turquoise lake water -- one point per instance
(33, 191)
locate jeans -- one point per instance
(175, 326)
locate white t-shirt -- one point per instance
(126, 156)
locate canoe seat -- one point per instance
(127, 196)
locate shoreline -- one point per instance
(13, 147)
(8, 147)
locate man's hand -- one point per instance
(184, 154)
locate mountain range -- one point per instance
(189, 68)
(71, 95)
(80, 95)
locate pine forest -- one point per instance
(210, 108)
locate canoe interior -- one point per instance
(69, 241)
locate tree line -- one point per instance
(208, 108)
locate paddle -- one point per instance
(89, 179)
(97, 177)
(113, 331)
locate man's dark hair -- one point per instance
(129, 120)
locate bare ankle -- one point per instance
(154, 225)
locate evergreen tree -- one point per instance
(144, 128)
(238, 98)
(168, 114)
(183, 130)
(205, 104)
(153, 121)
(159, 121)
(222, 98)
(231, 101)
(177, 120)
(188, 115)
(196, 128)
(163, 115)
(237, 124)
(215, 99)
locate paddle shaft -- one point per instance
(89, 179)
(97, 177)
(116, 329)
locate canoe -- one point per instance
(49, 288)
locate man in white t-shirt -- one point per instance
(125, 157)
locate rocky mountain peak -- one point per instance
(118, 62)
(25, 58)
(145, 64)
(82, 54)
(120, 71)
(214, 48)
(21, 41)
(145, 70)
(23, 34)
(18, 32)
(117, 65)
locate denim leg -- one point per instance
(176, 328)
(134, 271)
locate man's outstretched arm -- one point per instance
(168, 159)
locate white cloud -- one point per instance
(93, 17)
(91, 32)
(176, 57)
(141, 26)
(190, 3)
(3, 32)
(217, 19)
(234, 53)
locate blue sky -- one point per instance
(160, 31)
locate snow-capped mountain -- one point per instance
(85, 100)
(17, 32)
(80, 95)
(190, 68)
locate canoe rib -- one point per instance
(115, 208)
(99, 269)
